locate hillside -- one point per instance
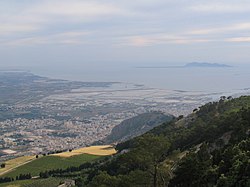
(210, 147)
(136, 126)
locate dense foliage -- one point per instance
(213, 146)
(20, 177)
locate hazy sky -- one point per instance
(80, 33)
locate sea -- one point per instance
(204, 79)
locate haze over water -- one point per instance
(107, 40)
(232, 79)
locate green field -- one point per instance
(50, 182)
(48, 163)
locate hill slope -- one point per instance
(208, 148)
(136, 126)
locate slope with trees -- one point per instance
(212, 146)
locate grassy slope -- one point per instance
(10, 164)
(49, 163)
(206, 125)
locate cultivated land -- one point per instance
(49, 163)
(33, 165)
(15, 163)
(103, 150)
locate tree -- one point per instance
(195, 110)
(105, 180)
(79, 182)
(44, 174)
(3, 165)
(150, 152)
(194, 169)
(223, 98)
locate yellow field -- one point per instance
(102, 150)
(14, 163)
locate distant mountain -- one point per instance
(136, 126)
(206, 65)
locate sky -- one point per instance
(105, 33)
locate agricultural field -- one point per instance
(51, 182)
(103, 150)
(14, 163)
(44, 163)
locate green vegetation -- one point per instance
(211, 147)
(14, 163)
(49, 182)
(50, 162)
(137, 125)
(229, 166)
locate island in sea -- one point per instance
(205, 65)
(192, 65)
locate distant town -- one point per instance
(40, 115)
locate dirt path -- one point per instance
(16, 166)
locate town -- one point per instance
(78, 117)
